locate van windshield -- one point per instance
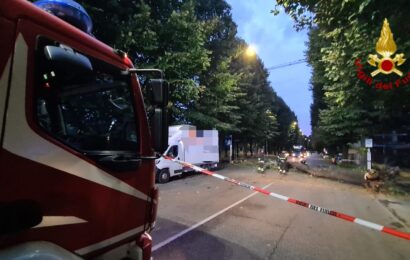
(172, 151)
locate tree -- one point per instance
(258, 123)
(216, 105)
(194, 42)
(344, 108)
(161, 34)
(286, 117)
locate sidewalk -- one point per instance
(399, 208)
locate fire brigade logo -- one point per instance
(385, 63)
(386, 47)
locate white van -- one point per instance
(199, 147)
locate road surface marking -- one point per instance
(326, 211)
(183, 232)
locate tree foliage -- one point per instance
(195, 43)
(344, 108)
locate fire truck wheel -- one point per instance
(163, 176)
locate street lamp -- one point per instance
(244, 50)
(250, 51)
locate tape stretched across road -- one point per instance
(333, 213)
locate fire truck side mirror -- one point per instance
(159, 88)
(159, 98)
(160, 130)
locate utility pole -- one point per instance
(228, 143)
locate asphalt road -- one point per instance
(201, 217)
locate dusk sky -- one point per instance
(277, 42)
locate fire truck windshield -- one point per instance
(91, 112)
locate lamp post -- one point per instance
(246, 51)
(250, 51)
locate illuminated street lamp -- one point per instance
(250, 51)
(245, 51)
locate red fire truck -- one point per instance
(76, 147)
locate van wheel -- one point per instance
(163, 176)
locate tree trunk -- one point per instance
(237, 150)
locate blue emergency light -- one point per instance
(69, 11)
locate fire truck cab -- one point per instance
(76, 147)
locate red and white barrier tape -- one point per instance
(333, 213)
